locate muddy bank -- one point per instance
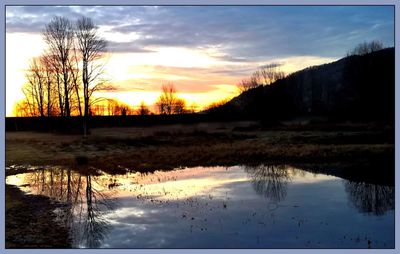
(30, 222)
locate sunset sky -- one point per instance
(205, 51)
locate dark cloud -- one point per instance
(271, 65)
(241, 33)
(230, 58)
(33, 19)
(126, 47)
(20, 27)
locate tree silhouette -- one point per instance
(56, 81)
(265, 75)
(168, 102)
(366, 48)
(34, 90)
(143, 109)
(179, 106)
(167, 99)
(270, 73)
(59, 36)
(248, 84)
(91, 48)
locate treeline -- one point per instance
(168, 103)
(358, 86)
(263, 76)
(62, 80)
(73, 125)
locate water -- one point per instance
(217, 207)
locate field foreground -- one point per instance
(359, 152)
(115, 150)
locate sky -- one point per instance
(204, 50)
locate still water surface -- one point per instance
(217, 207)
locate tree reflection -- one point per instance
(270, 181)
(86, 202)
(370, 198)
(96, 226)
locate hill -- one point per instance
(354, 87)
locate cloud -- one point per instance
(271, 65)
(33, 19)
(127, 47)
(242, 33)
(230, 58)
(185, 79)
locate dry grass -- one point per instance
(167, 147)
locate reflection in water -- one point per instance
(370, 198)
(85, 201)
(217, 207)
(95, 225)
(270, 181)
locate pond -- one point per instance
(267, 206)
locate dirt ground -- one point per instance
(27, 222)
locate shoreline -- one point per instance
(356, 154)
(27, 221)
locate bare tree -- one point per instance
(34, 89)
(265, 75)
(270, 73)
(165, 102)
(54, 65)
(123, 109)
(247, 84)
(143, 109)
(366, 48)
(113, 108)
(179, 106)
(111, 105)
(49, 75)
(98, 110)
(59, 37)
(73, 67)
(91, 48)
(22, 108)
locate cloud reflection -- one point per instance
(214, 207)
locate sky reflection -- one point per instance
(218, 207)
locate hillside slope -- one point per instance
(352, 87)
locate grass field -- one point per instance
(206, 144)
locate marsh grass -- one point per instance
(168, 147)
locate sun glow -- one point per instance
(200, 77)
(17, 61)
